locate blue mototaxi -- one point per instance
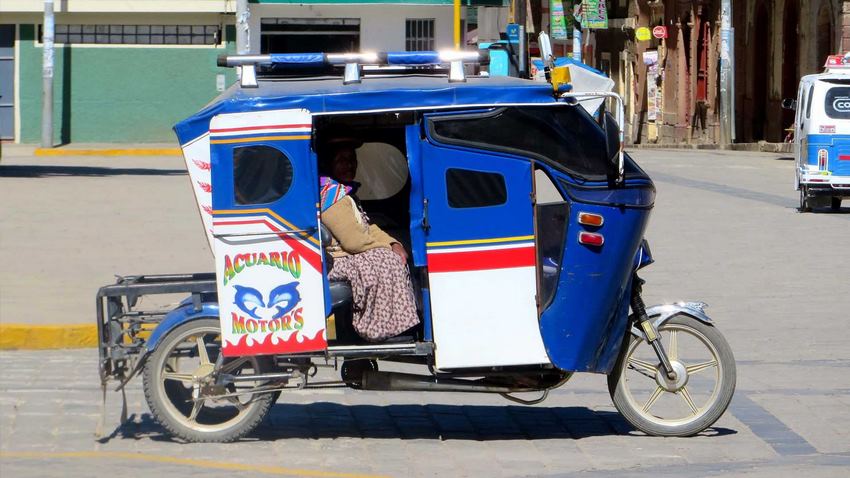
(523, 218)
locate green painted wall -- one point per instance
(117, 95)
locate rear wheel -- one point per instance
(703, 388)
(180, 388)
(835, 203)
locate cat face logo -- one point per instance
(282, 298)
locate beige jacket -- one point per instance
(350, 234)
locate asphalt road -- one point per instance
(724, 230)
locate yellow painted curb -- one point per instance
(31, 337)
(254, 469)
(108, 152)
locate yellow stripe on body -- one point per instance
(480, 241)
(270, 213)
(257, 138)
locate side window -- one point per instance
(809, 105)
(837, 102)
(261, 174)
(467, 188)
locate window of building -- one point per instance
(308, 35)
(419, 34)
(467, 188)
(136, 34)
(261, 174)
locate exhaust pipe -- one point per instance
(387, 381)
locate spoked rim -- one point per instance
(641, 369)
(188, 369)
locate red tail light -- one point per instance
(591, 239)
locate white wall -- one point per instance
(381, 26)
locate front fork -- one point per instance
(639, 309)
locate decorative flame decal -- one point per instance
(207, 209)
(277, 346)
(207, 187)
(202, 165)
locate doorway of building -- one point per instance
(759, 87)
(7, 82)
(308, 35)
(790, 63)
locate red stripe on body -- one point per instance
(311, 256)
(844, 157)
(481, 260)
(248, 128)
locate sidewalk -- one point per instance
(11, 150)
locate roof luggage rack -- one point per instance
(353, 63)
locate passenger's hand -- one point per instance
(399, 249)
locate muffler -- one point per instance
(386, 381)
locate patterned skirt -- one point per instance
(383, 304)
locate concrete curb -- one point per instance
(108, 152)
(40, 337)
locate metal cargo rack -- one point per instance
(122, 328)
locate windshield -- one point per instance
(565, 136)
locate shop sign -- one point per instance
(595, 14)
(643, 34)
(659, 32)
(558, 24)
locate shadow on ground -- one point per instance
(435, 422)
(41, 171)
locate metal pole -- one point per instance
(521, 19)
(47, 77)
(726, 69)
(457, 24)
(243, 31)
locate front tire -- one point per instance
(704, 387)
(179, 385)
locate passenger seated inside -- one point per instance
(373, 262)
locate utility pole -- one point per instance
(521, 19)
(47, 77)
(243, 33)
(727, 69)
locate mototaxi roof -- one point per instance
(328, 95)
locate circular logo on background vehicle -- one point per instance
(841, 104)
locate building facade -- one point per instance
(126, 71)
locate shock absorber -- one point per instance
(639, 309)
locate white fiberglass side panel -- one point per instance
(502, 330)
(196, 154)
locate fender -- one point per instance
(184, 312)
(659, 314)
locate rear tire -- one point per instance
(835, 203)
(171, 379)
(644, 373)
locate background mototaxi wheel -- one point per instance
(704, 386)
(180, 388)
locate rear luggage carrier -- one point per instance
(122, 329)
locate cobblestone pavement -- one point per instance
(724, 230)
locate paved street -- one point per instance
(724, 230)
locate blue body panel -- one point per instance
(584, 324)
(837, 145)
(179, 316)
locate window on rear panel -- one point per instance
(467, 188)
(261, 174)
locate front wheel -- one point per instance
(181, 390)
(703, 388)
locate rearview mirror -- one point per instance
(789, 104)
